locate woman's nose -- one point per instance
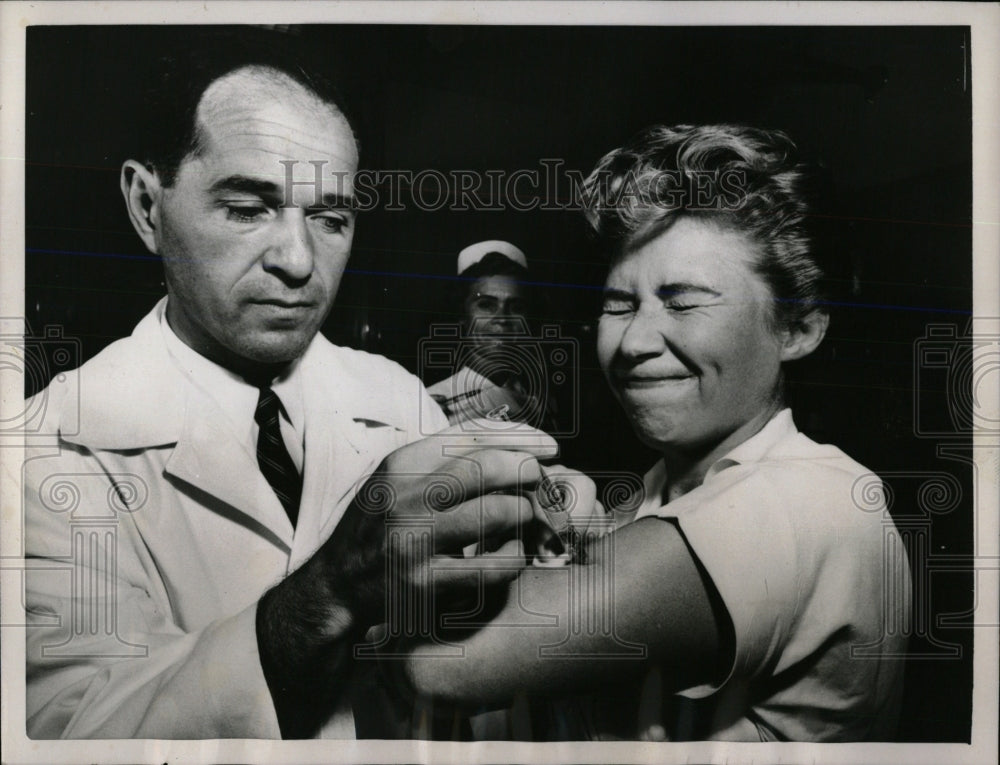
(642, 337)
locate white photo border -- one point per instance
(984, 21)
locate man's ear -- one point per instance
(143, 196)
(804, 335)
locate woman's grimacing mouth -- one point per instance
(634, 381)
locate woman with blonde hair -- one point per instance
(747, 592)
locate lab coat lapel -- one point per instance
(211, 458)
(338, 456)
(133, 396)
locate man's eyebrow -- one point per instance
(272, 191)
(246, 185)
(334, 201)
(682, 288)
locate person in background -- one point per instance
(747, 595)
(497, 364)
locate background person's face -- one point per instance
(685, 340)
(494, 307)
(251, 282)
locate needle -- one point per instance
(549, 497)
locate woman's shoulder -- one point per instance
(800, 453)
(798, 484)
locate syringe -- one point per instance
(550, 499)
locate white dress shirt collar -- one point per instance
(236, 397)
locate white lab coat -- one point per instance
(151, 534)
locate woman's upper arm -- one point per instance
(642, 597)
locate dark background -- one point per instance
(885, 111)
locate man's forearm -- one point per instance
(305, 636)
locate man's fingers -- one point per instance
(578, 493)
(487, 570)
(491, 470)
(462, 478)
(492, 516)
(477, 434)
(512, 548)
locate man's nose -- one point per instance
(503, 314)
(512, 311)
(507, 318)
(291, 254)
(642, 337)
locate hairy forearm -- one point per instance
(305, 634)
(308, 624)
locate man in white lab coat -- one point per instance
(206, 537)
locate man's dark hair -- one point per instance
(167, 130)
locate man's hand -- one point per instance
(403, 533)
(427, 501)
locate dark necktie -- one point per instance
(273, 457)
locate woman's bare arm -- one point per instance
(654, 593)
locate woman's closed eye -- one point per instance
(682, 297)
(616, 310)
(681, 307)
(617, 304)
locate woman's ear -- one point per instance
(143, 194)
(804, 335)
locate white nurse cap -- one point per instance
(476, 252)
